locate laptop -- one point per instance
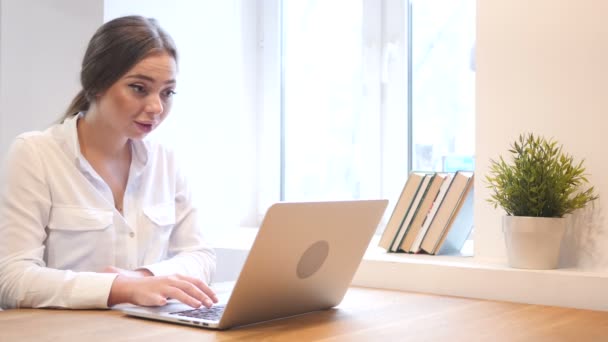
(303, 259)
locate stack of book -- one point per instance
(433, 214)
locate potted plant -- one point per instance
(537, 189)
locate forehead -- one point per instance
(160, 67)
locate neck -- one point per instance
(99, 139)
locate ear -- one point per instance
(98, 96)
(93, 97)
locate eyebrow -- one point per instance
(149, 79)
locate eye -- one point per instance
(138, 88)
(169, 93)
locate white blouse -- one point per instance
(59, 225)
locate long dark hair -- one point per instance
(113, 50)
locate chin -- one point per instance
(138, 136)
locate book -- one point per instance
(448, 207)
(458, 230)
(431, 215)
(422, 211)
(411, 212)
(401, 208)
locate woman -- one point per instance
(91, 214)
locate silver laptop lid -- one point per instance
(303, 259)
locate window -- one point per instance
(327, 129)
(343, 95)
(443, 84)
(368, 91)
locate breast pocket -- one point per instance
(80, 239)
(156, 226)
(161, 215)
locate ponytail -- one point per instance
(80, 103)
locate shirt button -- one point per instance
(131, 234)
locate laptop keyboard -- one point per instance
(213, 314)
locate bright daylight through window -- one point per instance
(443, 84)
(355, 121)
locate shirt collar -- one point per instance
(70, 134)
(139, 152)
(70, 131)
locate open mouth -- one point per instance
(144, 127)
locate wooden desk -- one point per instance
(364, 315)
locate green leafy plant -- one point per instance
(541, 181)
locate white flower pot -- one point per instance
(533, 242)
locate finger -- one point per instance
(160, 300)
(191, 290)
(201, 285)
(146, 296)
(177, 293)
(155, 300)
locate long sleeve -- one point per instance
(25, 204)
(188, 253)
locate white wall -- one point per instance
(542, 67)
(41, 47)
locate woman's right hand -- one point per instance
(156, 290)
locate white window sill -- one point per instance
(446, 275)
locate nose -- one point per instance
(154, 104)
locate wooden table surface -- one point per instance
(364, 315)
